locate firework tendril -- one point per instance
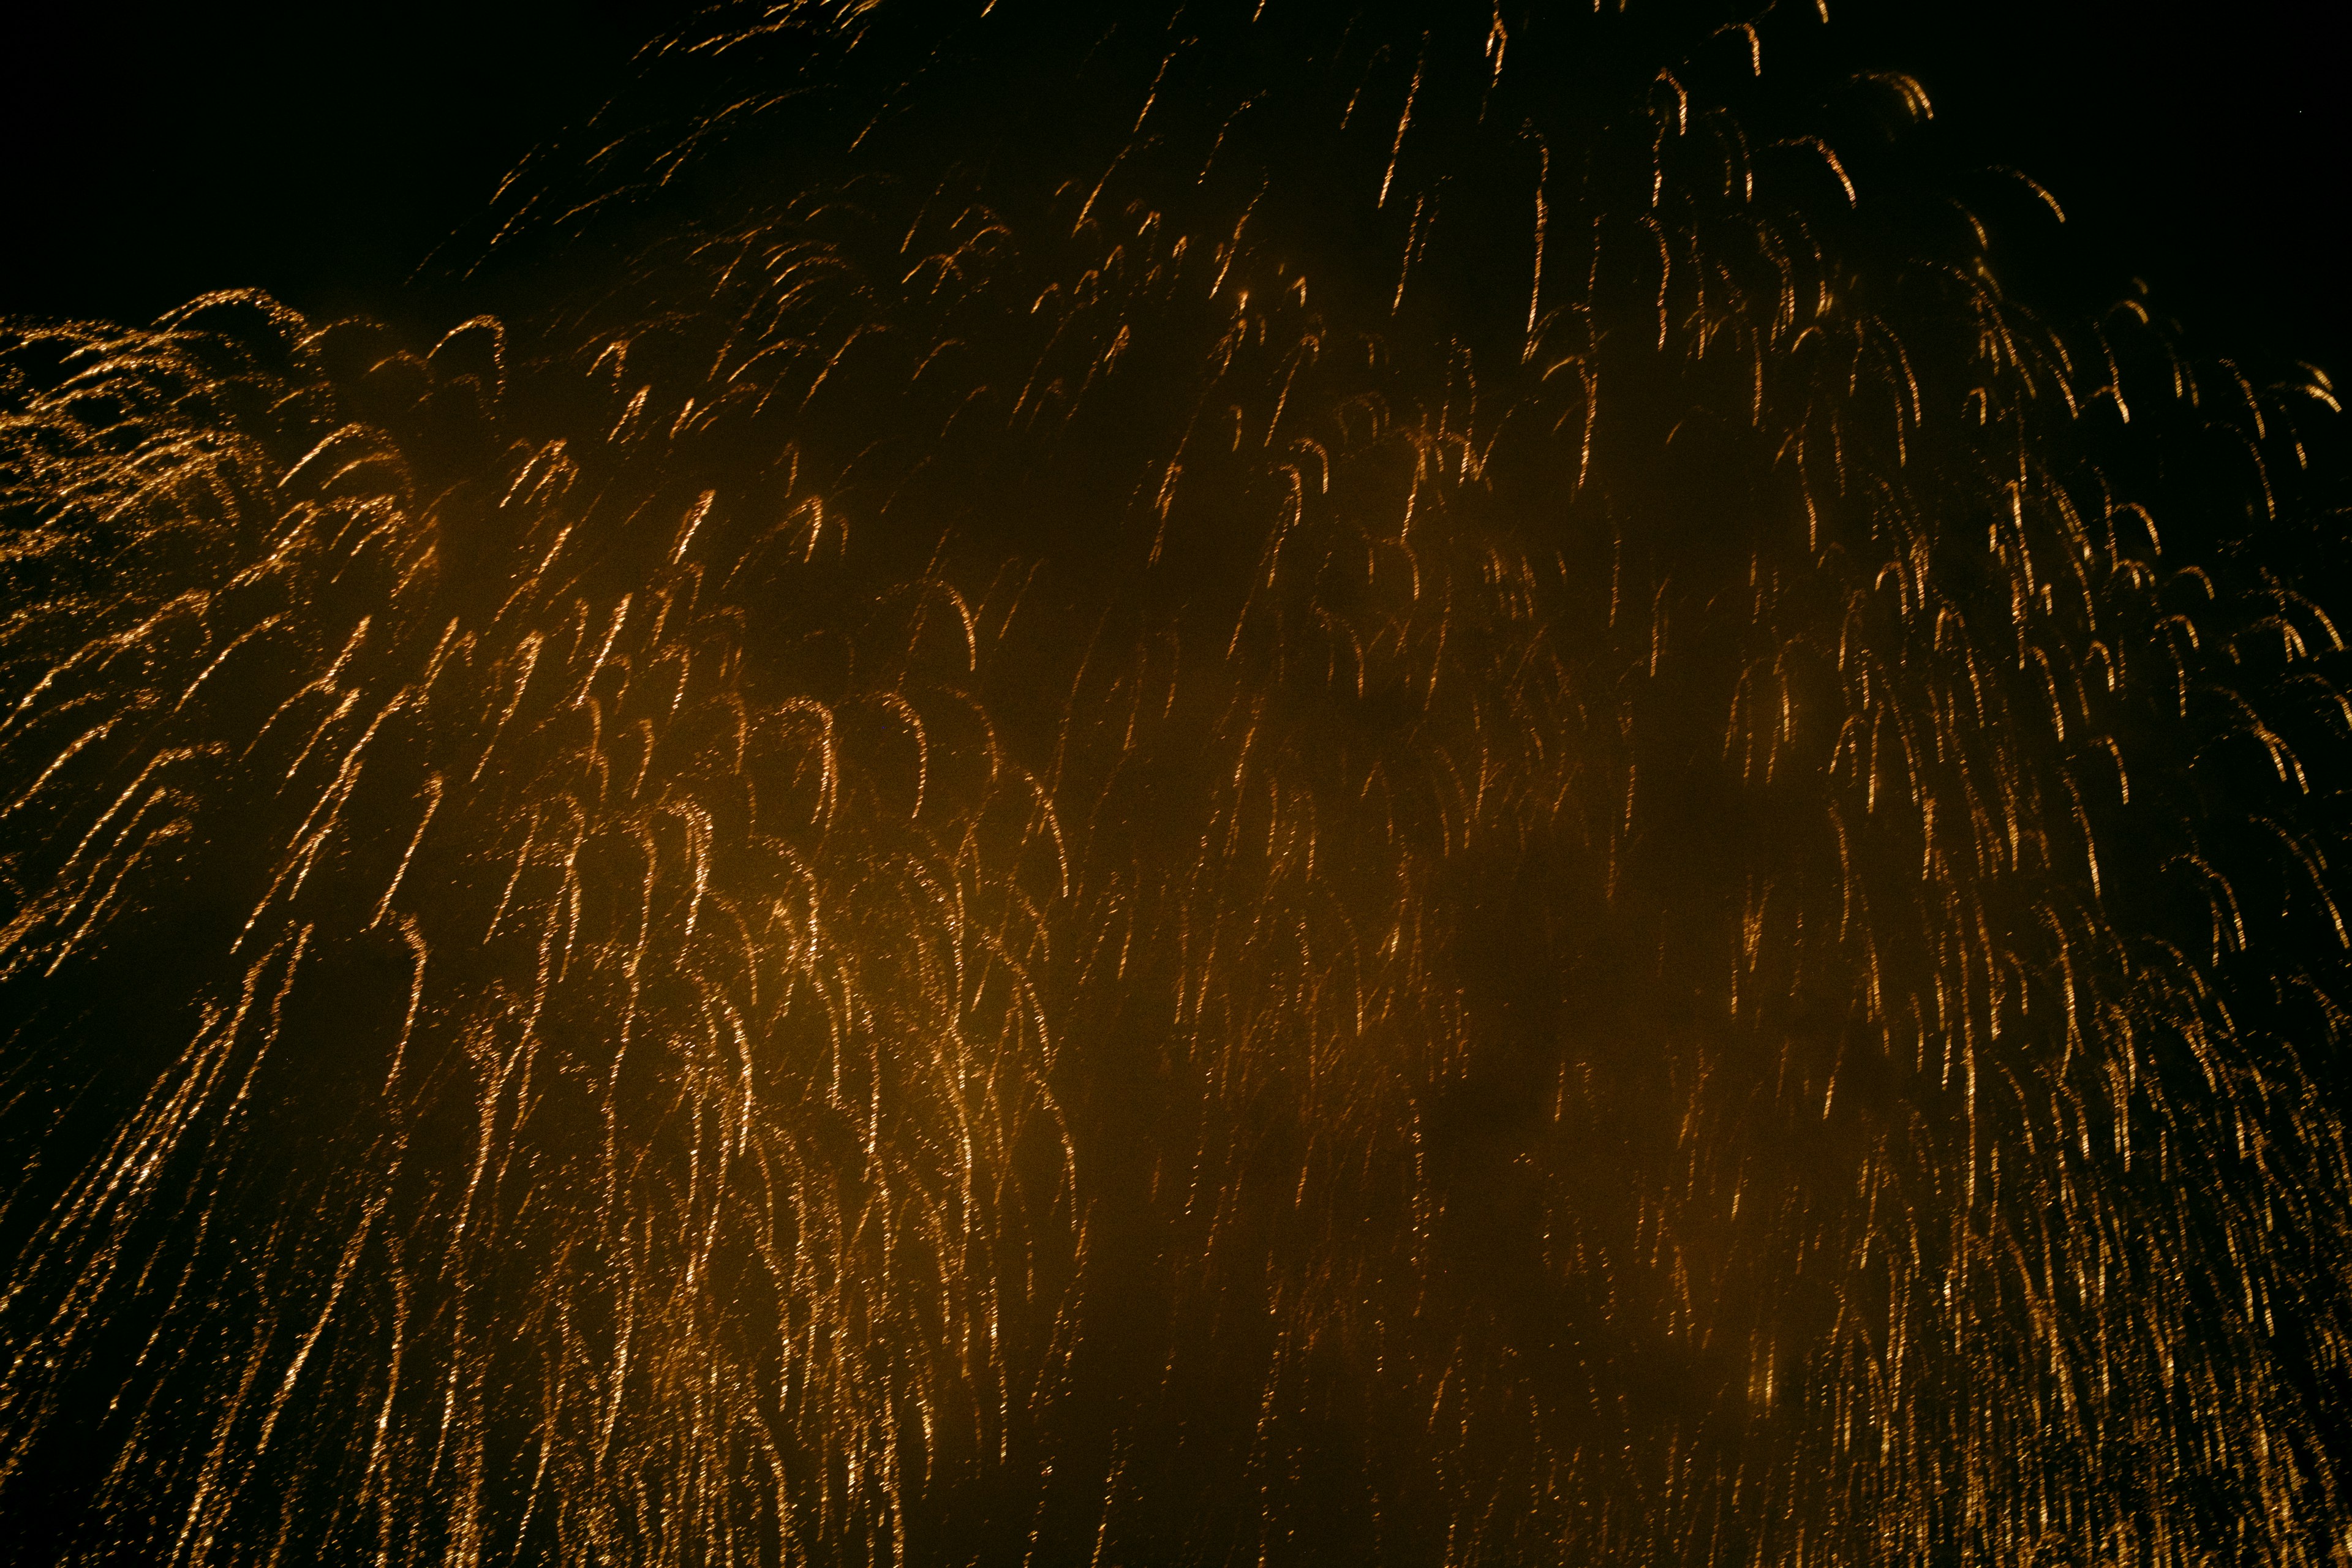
(1224, 785)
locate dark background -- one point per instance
(151, 155)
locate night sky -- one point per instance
(1071, 898)
(155, 155)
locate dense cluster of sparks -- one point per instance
(1228, 785)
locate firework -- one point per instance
(1219, 786)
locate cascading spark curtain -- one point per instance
(1229, 784)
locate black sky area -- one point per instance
(151, 155)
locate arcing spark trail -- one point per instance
(1215, 787)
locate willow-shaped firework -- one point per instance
(1219, 786)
